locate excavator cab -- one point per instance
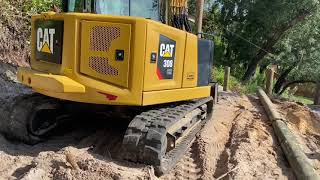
(138, 8)
(101, 55)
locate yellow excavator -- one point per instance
(103, 56)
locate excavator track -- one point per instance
(32, 117)
(160, 137)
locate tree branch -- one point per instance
(295, 82)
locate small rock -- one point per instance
(71, 160)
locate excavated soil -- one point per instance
(238, 143)
(305, 124)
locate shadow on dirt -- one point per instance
(102, 136)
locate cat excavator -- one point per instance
(130, 56)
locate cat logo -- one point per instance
(45, 40)
(166, 50)
(166, 58)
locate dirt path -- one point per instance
(239, 142)
(252, 148)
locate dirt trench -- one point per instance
(252, 150)
(238, 143)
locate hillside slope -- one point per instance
(14, 32)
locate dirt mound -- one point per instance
(301, 117)
(305, 125)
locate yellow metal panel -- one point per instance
(140, 71)
(93, 96)
(95, 90)
(166, 96)
(126, 96)
(151, 80)
(190, 70)
(49, 82)
(99, 43)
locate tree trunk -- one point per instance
(271, 41)
(253, 65)
(282, 79)
(280, 84)
(317, 95)
(294, 82)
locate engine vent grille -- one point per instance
(101, 37)
(101, 65)
(100, 42)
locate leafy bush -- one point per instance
(235, 84)
(218, 75)
(38, 6)
(291, 97)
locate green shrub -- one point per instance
(38, 6)
(235, 84)
(291, 97)
(218, 75)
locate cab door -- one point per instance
(165, 51)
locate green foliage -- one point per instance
(38, 6)
(302, 45)
(218, 75)
(235, 84)
(245, 27)
(289, 31)
(291, 97)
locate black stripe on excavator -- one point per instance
(205, 61)
(166, 58)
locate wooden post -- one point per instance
(269, 83)
(226, 78)
(200, 4)
(317, 94)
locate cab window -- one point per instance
(140, 8)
